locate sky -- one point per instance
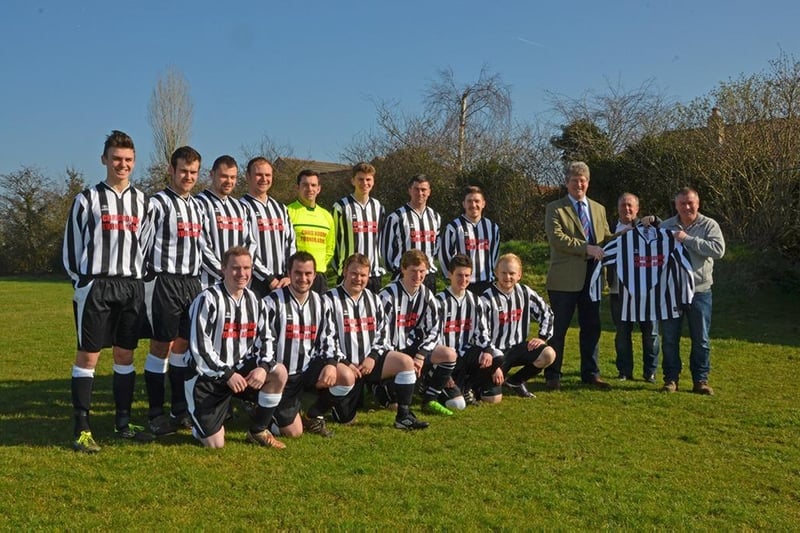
(307, 73)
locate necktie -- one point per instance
(587, 227)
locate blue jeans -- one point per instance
(624, 344)
(698, 316)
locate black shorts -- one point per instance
(209, 399)
(292, 398)
(108, 313)
(344, 411)
(469, 375)
(519, 355)
(415, 349)
(167, 300)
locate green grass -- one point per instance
(579, 459)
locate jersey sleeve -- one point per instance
(74, 244)
(448, 248)
(391, 243)
(542, 313)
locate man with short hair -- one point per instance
(475, 236)
(271, 228)
(628, 211)
(412, 319)
(230, 354)
(702, 238)
(105, 244)
(174, 260)
(226, 224)
(465, 329)
(358, 219)
(314, 226)
(576, 230)
(414, 226)
(361, 330)
(512, 307)
(301, 322)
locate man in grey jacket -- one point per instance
(702, 238)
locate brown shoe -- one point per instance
(553, 384)
(265, 438)
(670, 386)
(701, 387)
(598, 383)
(317, 426)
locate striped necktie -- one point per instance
(587, 227)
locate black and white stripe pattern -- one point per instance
(178, 239)
(225, 331)
(106, 234)
(510, 315)
(359, 324)
(463, 322)
(405, 229)
(410, 318)
(226, 225)
(480, 242)
(654, 274)
(273, 235)
(358, 230)
(302, 332)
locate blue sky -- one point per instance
(305, 73)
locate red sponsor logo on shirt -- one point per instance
(270, 224)
(357, 325)
(507, 317)
(119, 223)
(232, 330)
(648, 261)
(423, 235)
(298, 331)
(188, 229)
(230, 223)
(408, 320)
(476, 244)
(365, 227)
(457, 326)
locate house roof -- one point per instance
(323, 167)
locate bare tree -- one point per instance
(624, 116)
(470, 109)
(169, 112)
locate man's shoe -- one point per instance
(650, 378)
(598, 383)
(470, 399)
(316, 426)
(701, 387)
(553, 384)
(409, 422)
(519, 389)
(85, 443)
(181, 421)
(135, 433)
(433, 407)
(265, 438)
(622, 377)
(670, 386)
(162, 425)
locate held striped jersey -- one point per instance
(654, 274)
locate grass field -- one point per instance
(579, 459)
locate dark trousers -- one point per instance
(624, 344)
(564, 304)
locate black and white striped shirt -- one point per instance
(226, 225)
(178, 239)
(225, 331)
(654, 274)
(480, 242)
(273, 234)
(405, 229)
(510, 315)
(410, 318)
(359, 324)
(302, 331)
(107, 233)
(358, 230)
(463, 322)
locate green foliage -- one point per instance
(32, 214)
(631, 458)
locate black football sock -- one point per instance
(156, 391)
(441, 373)
(81, 402)
(122, 385)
